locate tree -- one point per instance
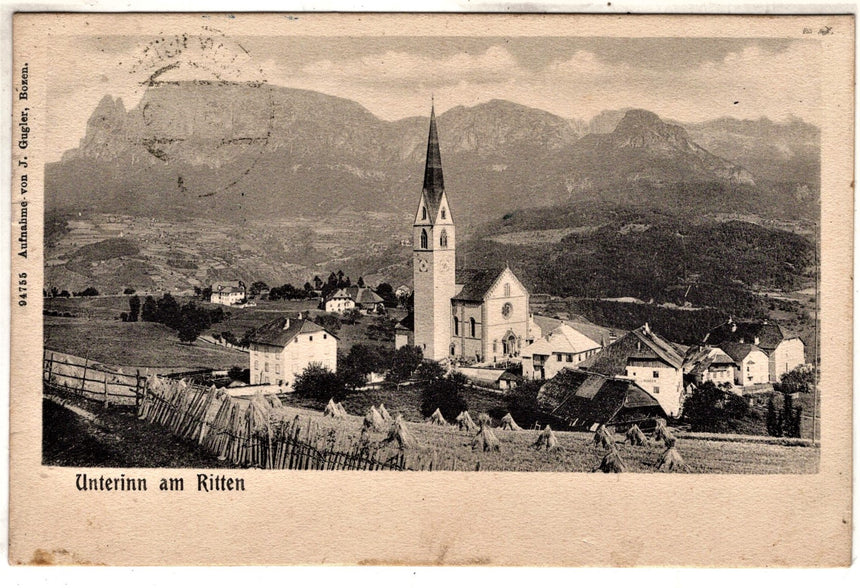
(150, 310)
(188, 332)
(319, 383)
(54, 292)
(774, 424)
(429, 371)
(167, 311)
(329, 322)
(352, 316)
(257, 287)
(446, 394)
(128, 291)
(239, 373)
(123, 316)
(134, 308)
(382, 329)
(386, 292)
(522, 403)
(360, 282)
(88, 291)
(714, 410)
(404, 363)
(800, 380)
(791, 417)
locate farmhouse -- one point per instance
(227, 293)
(483, 320)
(750, 363)
(365, 299)
(562, 347)
(283, 348)
(586, 400)
(710, 364)
(339, 302)
(783, 353)
(649, 360)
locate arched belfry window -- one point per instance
(456, 326)
(507, 289)
(423, 213)
(472, 327)
(443, 238)
(443, 212)
(423, 239)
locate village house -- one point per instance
(710, 364)
(404, 332)
(783, 353)
(585, 400)
(750, 363)
(649, 360)
(283, 348)
(227, 293)
(485, 318)
(365, 299)
(562, 347)
(339, 302)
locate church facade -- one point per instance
(485, 318)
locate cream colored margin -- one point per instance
(451, 518)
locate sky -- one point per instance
(687, 80)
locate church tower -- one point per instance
(433, 244)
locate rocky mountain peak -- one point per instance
(642, 128)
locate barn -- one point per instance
(585, 400)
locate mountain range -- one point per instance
(233, 152)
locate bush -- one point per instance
(128, 291)
(329, 322)
(523, 405)
(404, 363)
(710, 409)
(88, 291)
(240, 374)
(446, 394)
(319, 383)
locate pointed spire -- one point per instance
(434, 184)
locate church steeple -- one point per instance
(434, 184)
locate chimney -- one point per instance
(734, 328)
(287, 323)
(646, 329)
(755, 340)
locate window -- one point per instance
(569, 358)
(423, 213)
(456, 326)
(277, 368)
(325, 336)
(310, 337)
(558, 356)
(443, 238)
(507, 289)
(423, 239)
(656, 374)
(443, 212)
(656, 389)
(495, 343)
(472, 327)
(266, 366)
(256, 364)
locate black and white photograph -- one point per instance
(423, 251)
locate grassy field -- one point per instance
(577, 452)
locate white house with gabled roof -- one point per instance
(283, 348)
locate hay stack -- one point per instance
(384, 412)
(662, 433)
(635, 436)
(373, 420)
(546, 440)
(486, 440)
(465, 422)
(341, 410)
(611, 463)
(509, 424)
(400, 434)
(331, 410)
(670, 461)
(436, 418)
(603, 439)
(484, 419)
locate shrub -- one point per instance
(404, 363)
(446, 394)
(711, 409)
(319, 383)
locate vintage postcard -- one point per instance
(431, 289)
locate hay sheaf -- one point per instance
(611, 463)
(486, 440)
(546, 440)
(436, 418)
(509, 424)
(384, 412)
(400, 434)
(373, 420)
(603, 438)
(464, 421)
(636, 437)
(671, 461)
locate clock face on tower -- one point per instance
(507, 309)
(444, 264)
(422, 265)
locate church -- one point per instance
(485, 317)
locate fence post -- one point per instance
(84, 379)
(107, 401)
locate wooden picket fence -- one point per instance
(260, 433)
(88, 379)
